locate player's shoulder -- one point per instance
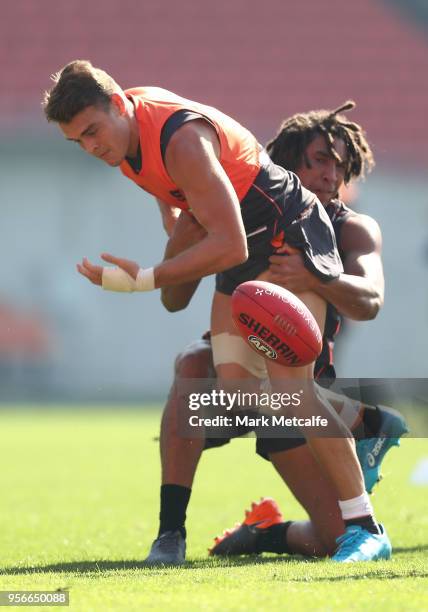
(341, 214)
(360, 232)
(192, 132)
(188, 144)
(362, 223)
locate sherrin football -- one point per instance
(276, 323)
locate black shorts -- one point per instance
(264, 446)
(325, 376)
(276, 209)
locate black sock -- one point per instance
(174, 500)
(372, 420)
(370, 424)
(274, 539)
(366, 522)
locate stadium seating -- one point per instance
(273, 60)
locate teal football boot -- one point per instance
(358, 544)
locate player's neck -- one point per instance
(134, 140)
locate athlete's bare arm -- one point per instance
(191, 160)
(359, 292)
(187, 232)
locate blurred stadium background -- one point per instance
(62, 339)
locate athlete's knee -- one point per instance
(194, 362)
(233, 357)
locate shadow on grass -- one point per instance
(100, 566)
(373, 575)
(103, 566)
(409, 549)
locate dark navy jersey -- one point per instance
(324, 366)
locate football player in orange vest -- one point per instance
(193, 157)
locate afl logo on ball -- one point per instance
(262, 347)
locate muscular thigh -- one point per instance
(222, 323)
(233, 358)
(316, 304)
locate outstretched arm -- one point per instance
(192, 162)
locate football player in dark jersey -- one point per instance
(326, 151)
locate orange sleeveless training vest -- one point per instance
(239, 149)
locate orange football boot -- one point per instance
(242, 539)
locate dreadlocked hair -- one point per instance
(288, 148)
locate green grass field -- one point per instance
(79, 504)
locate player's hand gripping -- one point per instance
(287, 269)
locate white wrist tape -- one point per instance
(116, 279)
(145, 280)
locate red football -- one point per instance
(276, 323)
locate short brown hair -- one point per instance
(288, 148)
(78, 85)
